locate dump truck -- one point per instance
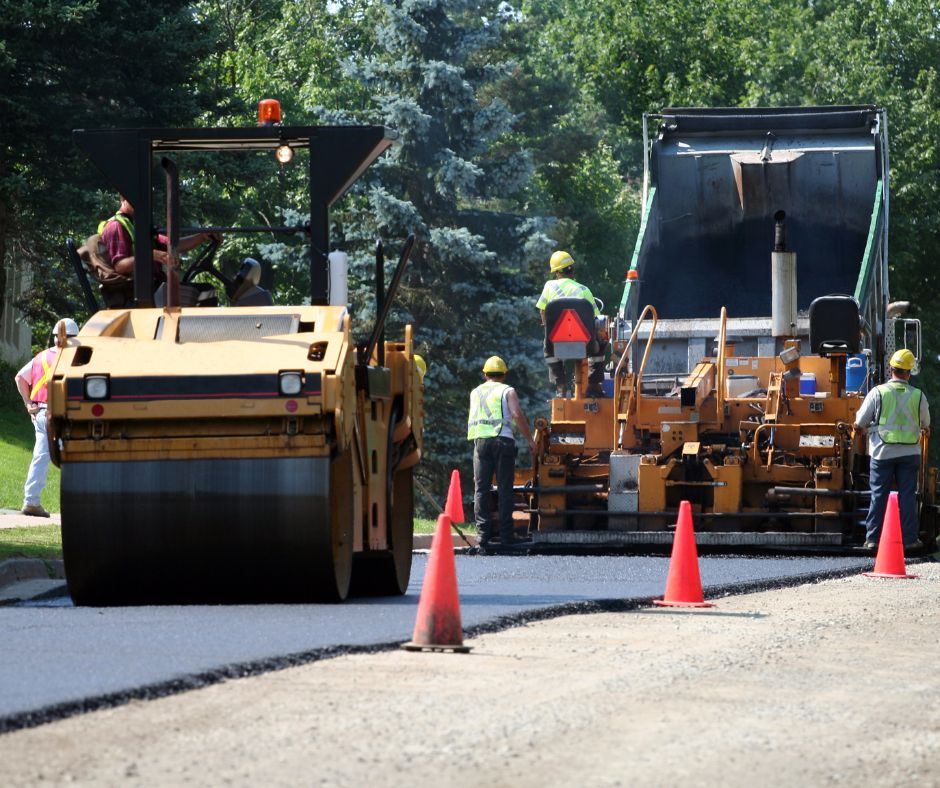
(755, 316)
(241, 453)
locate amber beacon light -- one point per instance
(269, 112)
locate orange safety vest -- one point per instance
(40, 373)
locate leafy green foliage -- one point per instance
(68, 64)
(455, 182)
(520, 130)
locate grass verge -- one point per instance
(36, 541)
(16, 452)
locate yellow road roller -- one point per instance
(242, 453)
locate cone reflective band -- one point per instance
(569, 337)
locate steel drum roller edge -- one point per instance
(196, 530)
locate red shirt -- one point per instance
(118, 243)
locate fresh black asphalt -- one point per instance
(58, 660)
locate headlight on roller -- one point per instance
(97, 387)
(290, 383)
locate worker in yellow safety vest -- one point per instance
(895, 414)
(494, 411)
(563, 285)
(32, 382)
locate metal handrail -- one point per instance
(649, 308)
(722, 353)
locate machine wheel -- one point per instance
(333, 561)
(387, 573)
(212, 531)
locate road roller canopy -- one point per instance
(338, 156)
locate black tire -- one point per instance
(333, 562)
(387, 572)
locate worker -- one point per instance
(32, 382)
(494, 412)
(422, 366)
(894, 413)
(117, 238)
(563, 285)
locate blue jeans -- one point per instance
(904, 470)
(39, 467)
(493, 455)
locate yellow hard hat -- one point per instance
(560, 260)
(903, 359)
(421, 364)
(495, 364)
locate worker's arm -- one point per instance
(125, 265)
(23, 387)
(542, 315)
(866, 414)
(192, 241)
(515, 410)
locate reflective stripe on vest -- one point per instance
(488, 414)
(899, 420)
(122, 220)
(569, 288)
(40, 372)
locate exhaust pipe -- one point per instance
(782, 282)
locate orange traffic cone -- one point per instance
(889, 562)
(683, 584)
(438, 627)
(453, 507)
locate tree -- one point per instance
(68, 64)
(469, 291)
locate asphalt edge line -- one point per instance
(60, 711)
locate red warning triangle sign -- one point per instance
(569, 328)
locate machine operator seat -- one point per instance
(834, 325)
(556, 311)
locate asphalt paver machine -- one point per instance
(249, 452)
(754, 319)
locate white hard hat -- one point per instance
(71, 327)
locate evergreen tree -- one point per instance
(470, 291)
(68, 64)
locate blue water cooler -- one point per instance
(856, 373)
(808, 384)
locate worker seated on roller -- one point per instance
(563, 285)
(110, 254)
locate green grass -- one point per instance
(423, 526)
(17, 437)
(35, 541)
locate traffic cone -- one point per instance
(453, 507)
(437, 626)
(889, 562)
(683, 584)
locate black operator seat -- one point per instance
(556, 310)
(835, 325)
